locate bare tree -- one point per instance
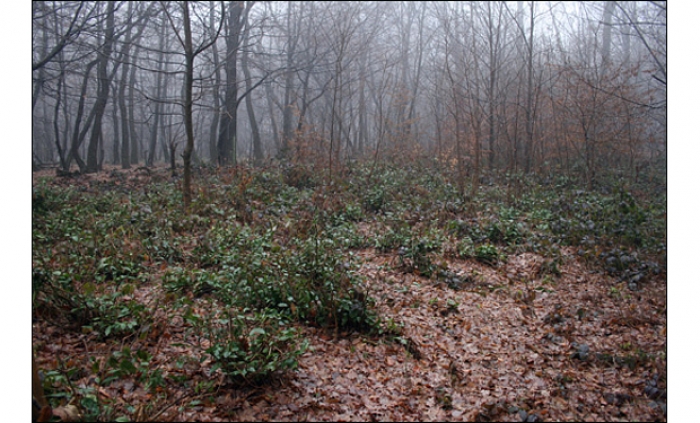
(483, 84)
(161, 77)
(292, 30)
(102, 91)
(214, 126)
(654, 40)
(257, 143)
(190, 53)
(78, 21)
(229, 114)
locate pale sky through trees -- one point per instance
(523, 86)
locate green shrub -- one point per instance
(111, 314)
(326, 289)
(396, 235)
(418, 256)
(374, 199)
(177, 279)
(162, 245)
(487, 253)
(117, 269)
(459, 227)
(300, 176)
(465, 248)
(251, 348)
(347, 235)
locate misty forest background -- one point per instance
(231, 201)
(577, 89)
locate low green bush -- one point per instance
(487, 254)
(250, 348)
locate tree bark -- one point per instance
(116, 124)
(273, 120)
(78, 135)
(213, 128)
(257, 143)
(121, 99)
(607, 36)
(529, 106)
(189, 130)
(190, 55)
(133, 136)
(227, 129)
(153, 140)
(102, 92)
(287, 112)
(57, 137)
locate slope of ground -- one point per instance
(515, 338)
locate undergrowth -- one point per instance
(271, 251)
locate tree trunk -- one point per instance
(227, 129)
(165, 137)
(133, 136)
(153, 141)
(273, 120)
(257, 143)
(39, 83)
(287, 112)
(213, 152)
(115, 124)
(78, 135)
(121, 98)
(363, 136)
(57, 136)
(102, 91)
(607, 27)
(529, 106)
(190, 55)
(189, 130)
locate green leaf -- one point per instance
(257, 331)
(127, 366)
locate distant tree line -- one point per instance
(478, 86)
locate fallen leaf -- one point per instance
(68, 413)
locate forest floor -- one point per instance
(499, 328)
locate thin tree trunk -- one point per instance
(153, 142)
(227, 129)
(78, 135)
(133, 136)
(116, 123)
(126, 134)
(55, 119)
(288, 84)
(102, 92)
(39, 83)
(419, 66)
(362, 107)
(190, 54)
(164, 125)
(257, 143)
(275, 131)
(607, 27)
(189, 130)
(213, 152)
(529, 113)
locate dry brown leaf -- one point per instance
(68, 413)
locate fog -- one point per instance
(517, 86)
